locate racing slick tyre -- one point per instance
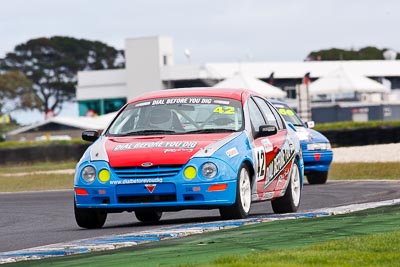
(290, 201)
(316, 177)
(241, 208)
(148, 216)
(90, 218)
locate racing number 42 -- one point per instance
(225, 110)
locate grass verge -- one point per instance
(36, 182)
(360, 171)
(38, 166)
(370, 250)
(352, 125)
(365, 238)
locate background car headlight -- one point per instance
(89, 174)
(209, 170)
(303, 135)
(319, 146)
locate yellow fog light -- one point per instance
(104, 176)
(190, 172)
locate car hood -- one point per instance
(310, 135)
(155, 149)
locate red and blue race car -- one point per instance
(195, 148)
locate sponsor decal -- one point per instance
(173, 150)
(282, 176)
(221, 102)
(181, 100)
(137, 181)
(280, 161)
(268, 195)
(150, 187)
(267, 145)
(185, 100)
(143, 104)
(232, 152)
(159, 144)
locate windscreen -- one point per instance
(288, 114)
(183, 115)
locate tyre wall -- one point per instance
(53, 152)
(362, 137)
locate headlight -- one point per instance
(104, 175)
(209, 170)
(319, 146)
(89, 174)
(190, 172)
(303, 135)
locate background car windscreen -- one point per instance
(289, 114)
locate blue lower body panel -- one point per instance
(161, 195)
(317, 160)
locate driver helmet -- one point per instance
(160, 118)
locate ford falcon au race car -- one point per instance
(189, 149)
(317, 151)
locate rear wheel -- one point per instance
(241, 208)
(290, 201)
(148, 216)
(90, 218)
(316, 177)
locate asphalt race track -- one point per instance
(41, 218)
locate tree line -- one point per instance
(366, 53)
(41, 74)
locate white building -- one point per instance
(150, 66)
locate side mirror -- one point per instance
(266, 130)
(90, 135)
(310, 124)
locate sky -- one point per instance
(212, 30)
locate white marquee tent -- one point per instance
(94, 123)
(242, 81)
(342, 81)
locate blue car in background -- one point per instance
(316, 148)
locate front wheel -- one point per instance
(316, 177)
(89, 218)
(290, 201)
(242, 205)
(148, 216)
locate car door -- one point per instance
(262, 153)
(278, 159)
(287, 150)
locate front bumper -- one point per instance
(165, 196)
(317, 160)
(161, 188)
